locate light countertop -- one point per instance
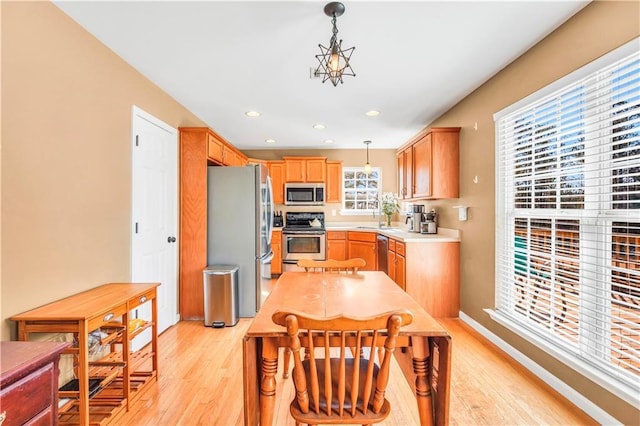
(398, 232)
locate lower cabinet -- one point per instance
(432, 273)
(396, 262)
(363, 245)
(276, 247)
(336, 245)
(29, 382)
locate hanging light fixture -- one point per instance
(367, 165)
(334, 62)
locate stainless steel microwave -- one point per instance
(304, 194)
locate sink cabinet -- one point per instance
(120, 375)
(363, 245)
(428, 166)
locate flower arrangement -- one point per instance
(390, 205)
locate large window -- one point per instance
(360, 190)
(568, 223)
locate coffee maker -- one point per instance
(428, 224)
(415, 217)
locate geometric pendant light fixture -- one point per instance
(334, 61)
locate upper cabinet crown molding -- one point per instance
(429, 165)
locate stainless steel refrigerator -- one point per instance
(239, 226)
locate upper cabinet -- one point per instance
(305, 169)
(276, 171)
(428, 166)
(219, 151)
(334, 182)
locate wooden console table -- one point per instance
(120, 376)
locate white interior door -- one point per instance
(154, 248)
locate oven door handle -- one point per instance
(303, 233)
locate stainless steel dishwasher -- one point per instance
(383, 247)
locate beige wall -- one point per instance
(596, 30)
(66, 107)
(66, 129)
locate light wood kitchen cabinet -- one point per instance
(305, 169)
(199, 148)
(336, 245)
(405, 170)
(396, 262)
(432, 273)
(363, 245)
(428, 166)
(277, 172)
(276, 247)
(334, 182)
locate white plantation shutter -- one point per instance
(568, 223)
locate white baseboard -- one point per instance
(591, 409)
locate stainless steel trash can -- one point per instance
(221, 303)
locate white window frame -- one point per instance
(359, 212)
(623, 385)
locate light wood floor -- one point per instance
(200, 383)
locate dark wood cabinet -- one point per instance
(29, 382)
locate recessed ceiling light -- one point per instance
(328, 141)
(270, 141)
(372, 113)
(318, 126)
(252, 114)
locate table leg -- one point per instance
(423, 388)
(268, 380)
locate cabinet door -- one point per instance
(405, 173)
(445, 165)
(365, 250)
(215, 149)
(391, 264)
(276, 171)
(294, 170)
(334, 182)
(422, 167)
(337, 249)
(276, 246)
(316, 170)
(400, 268)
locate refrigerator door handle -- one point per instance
(270, 208)
(261, 270)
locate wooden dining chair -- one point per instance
(342, 389)
(331, 265)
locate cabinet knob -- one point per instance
(108, 317)
(143, 299)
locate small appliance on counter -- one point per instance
(428, 224)
(278, 222)
(415, 217)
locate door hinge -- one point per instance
(136, 227)
(137, 140)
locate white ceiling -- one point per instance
(413, 61)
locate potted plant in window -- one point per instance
(390, 205)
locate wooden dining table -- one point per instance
(423, 349)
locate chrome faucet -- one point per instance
(377, 214)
